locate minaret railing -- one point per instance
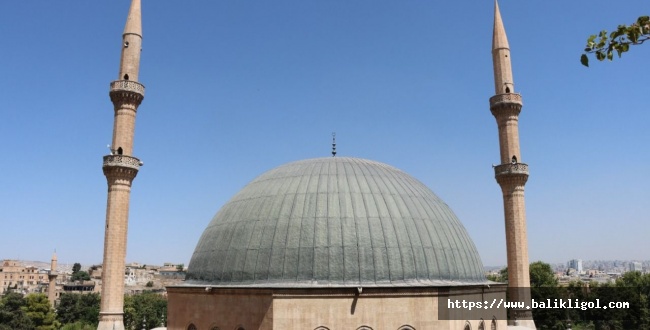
(516, 168)
(122, 161)
(505, 98)
(127, 86)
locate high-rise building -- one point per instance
(635, 266)
(575, 264)
(120, 168)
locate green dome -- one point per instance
(332, 222)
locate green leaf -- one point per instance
(625, 47)
(591, 39)
(584, 60)
(610, 55)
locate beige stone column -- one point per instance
(511, 173)
(120, 168)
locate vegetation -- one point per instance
(12, 314)
(39, 310)
(78, 308)
(632, 287)
(78, 274)
(603, 45)
(148, 308)
(76, 267)
(77, 311)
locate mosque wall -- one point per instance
(325, 309)
(229, 309)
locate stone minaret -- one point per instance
(120, 168)
(511, 174)
(51, 287)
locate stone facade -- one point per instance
(27, 279)
(336, 308)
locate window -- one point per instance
(191, 327)
(363, 327)
(481, 325)
(468, 326)
(322, 328)
(406, 327)
(493, 326)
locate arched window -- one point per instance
(468, 326)
(191, 327)
(126, 77)
(322, 328)
(364, 327)
(406, 327)
(493, 326)
(481, 325)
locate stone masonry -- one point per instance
(120, 168)
(511, 174)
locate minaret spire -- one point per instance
(132, 43)
(511, 174)
(333, 144)
(120, 168)
(503, 81)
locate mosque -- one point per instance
(328, 243)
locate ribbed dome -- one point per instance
(335, 222)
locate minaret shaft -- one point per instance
(503, 81)
(130, 63)
(120, 168)
(51, 287)
(508, 125)
(124, 129)
(511, 174)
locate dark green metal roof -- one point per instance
(335, 222)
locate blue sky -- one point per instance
(235, 88)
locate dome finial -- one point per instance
(333, 144)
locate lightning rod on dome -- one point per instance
(333, 144)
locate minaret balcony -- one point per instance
(507, 98)
(122, 161)
(511, 169)
(127, 86)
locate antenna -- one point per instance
(333, 144)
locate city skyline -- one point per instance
(235, 89)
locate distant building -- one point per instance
(82, 287)
(20, 278)
(575, 264)
(635, 266)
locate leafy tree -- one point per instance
(542, 275)
(80, 276)
(148, 306)
(39, 310)
(603, 45)
(76, 267)
(12, 316)
(180, 267)
(544, 286)
(82, 308)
